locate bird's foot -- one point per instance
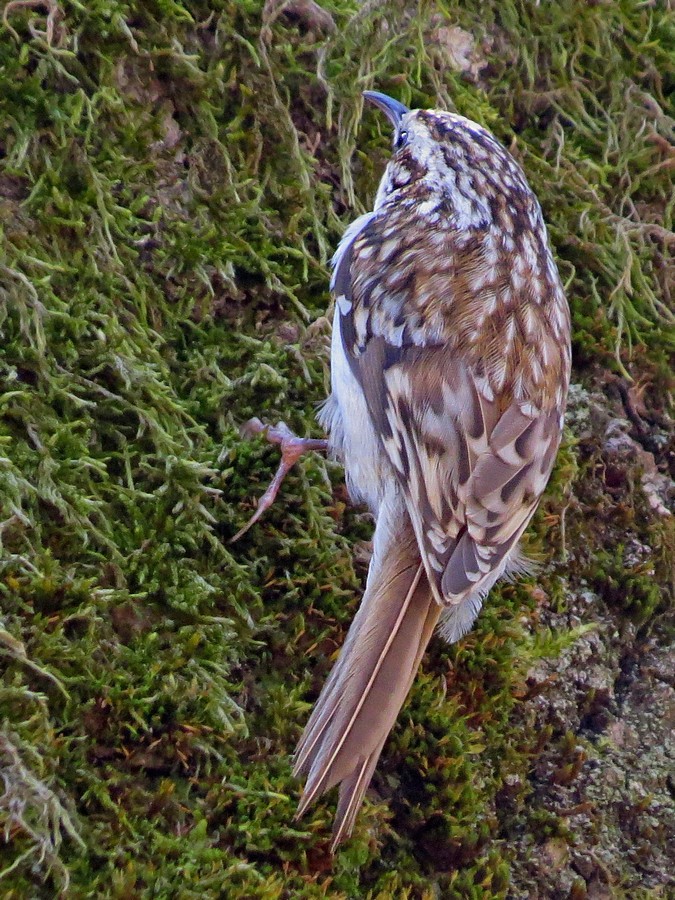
(292, 448)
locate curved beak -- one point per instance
(393, 110)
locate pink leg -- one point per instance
(292, 448)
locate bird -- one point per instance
(450, 366)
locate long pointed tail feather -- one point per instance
(370, 681)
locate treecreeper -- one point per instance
(450, 364)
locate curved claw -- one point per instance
(292, 448)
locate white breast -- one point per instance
(352, 437)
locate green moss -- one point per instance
(626, 587)
(174, 179)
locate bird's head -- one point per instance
(441, 159)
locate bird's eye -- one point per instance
(401, 139)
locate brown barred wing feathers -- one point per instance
(438, 348)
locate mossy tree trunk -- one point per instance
(174, 177)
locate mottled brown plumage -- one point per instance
(450, 368)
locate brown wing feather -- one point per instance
(471, 438)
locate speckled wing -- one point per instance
(470, 429)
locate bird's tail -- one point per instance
(371, 679)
